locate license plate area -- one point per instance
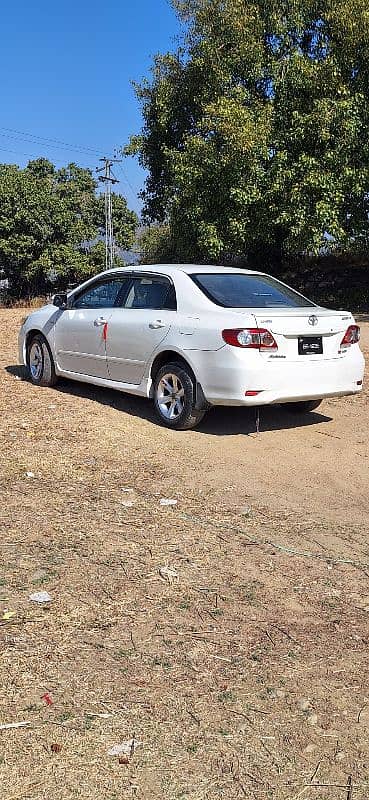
(310, 345)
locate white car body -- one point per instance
(117, 347)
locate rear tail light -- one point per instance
(255, 338)
(351, 336)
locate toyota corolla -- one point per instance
(191, 337)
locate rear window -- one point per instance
(248, 291)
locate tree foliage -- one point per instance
(156, 246)
(256, 131)
(50, 223)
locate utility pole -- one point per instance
(108, 178)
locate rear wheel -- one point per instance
(303, 407)
(174, 398)
(40, 362)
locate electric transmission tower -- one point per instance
(108, 178)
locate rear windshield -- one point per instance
(248, 291)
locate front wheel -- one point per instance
(174, 398)
(303, 406)
(40, 362)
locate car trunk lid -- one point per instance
(306, 333)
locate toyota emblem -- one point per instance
(313, 320)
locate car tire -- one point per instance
(303, 407)
(174, 398)
(40, 362)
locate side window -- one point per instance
(104, 294)
(152, 293)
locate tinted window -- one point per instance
(147, 292)
(248, 291)
(101, 295)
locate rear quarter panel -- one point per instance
(203, 331)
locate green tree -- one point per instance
(156, 246)
(256, 131)
(50, 224)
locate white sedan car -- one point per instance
(191, 337)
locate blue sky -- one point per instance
(66, 69)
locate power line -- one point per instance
(47, 143)
(16, 152)
(27, 155)
(133, 191)
(51, 142)
(35, 155)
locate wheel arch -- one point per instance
(172, 356)
(28, 339)
(169, 357)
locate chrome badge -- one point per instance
(313, 320)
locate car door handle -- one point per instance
(100, 321)
(158, 323)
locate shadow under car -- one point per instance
(219, 420)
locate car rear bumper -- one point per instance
(279, 381)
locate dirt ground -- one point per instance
(226, 635)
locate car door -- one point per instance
(80, 331)
(147, 309)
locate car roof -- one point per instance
(189, 269)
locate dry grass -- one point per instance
(29, 303)
(243, 677)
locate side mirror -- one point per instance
(60, 301)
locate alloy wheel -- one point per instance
(35, 360)
(170, 396)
